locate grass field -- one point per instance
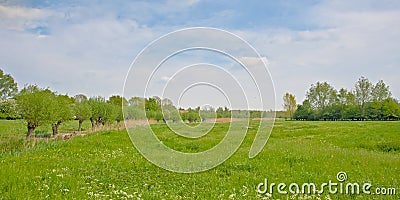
(105, 165)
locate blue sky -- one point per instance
(87, 46)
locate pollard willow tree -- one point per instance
(81, 109)
(101, 111)
(35, 106)
(117, 102)
(60, 111)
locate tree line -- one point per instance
(366, 101)
(41, 106)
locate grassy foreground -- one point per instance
(105, 165)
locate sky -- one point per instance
(87, 47)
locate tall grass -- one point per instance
(105, 165)
(12, 135)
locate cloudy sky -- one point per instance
(88, 46)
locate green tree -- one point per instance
(136, 101)
(153, 108)
(153, 104)
(8, 87)
(192, 115)
(169, 111)
(391, 109)
(208, 112)
(342, 96)
(79, 98)
(344, 108)
(220, 112)
(109, 114)
(35, 106)
(289, 104)
(183, 114)
(321, 95)
(223, 112)
(135, 108)
(366, 101)
(362, 93)
(332, 112)
(158, 101)
(117, 102)
(60, 111)
(227, 112)
(380, 92)
(373, 110)
(81, 109)
(304, 111)
(350, 109)
(8, 109)
(100, 111)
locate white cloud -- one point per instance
(20, 18)
(15, 12)
(89, 47)
(90, 57)
(348, 44)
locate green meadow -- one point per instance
(106, 165)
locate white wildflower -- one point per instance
(60, 175)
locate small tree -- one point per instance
(193, 115)
(35, 106)
(289, 104)
(220, 112)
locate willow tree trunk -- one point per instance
(80, 125)
(55, 128)
(31, 128)
(93, 123)
(118, 123)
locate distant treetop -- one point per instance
(8, 87)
